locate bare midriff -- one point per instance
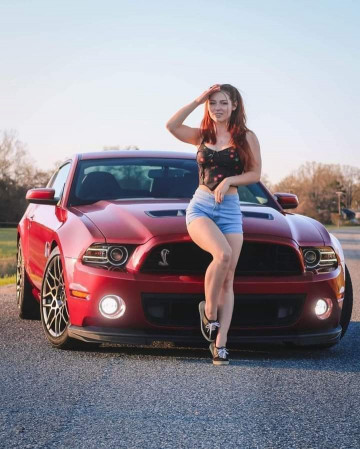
(232, 190)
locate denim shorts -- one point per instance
(226, 215)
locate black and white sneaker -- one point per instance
(220, 355)
(209, 328)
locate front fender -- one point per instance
(337, 247)
(77, 234)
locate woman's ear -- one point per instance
(234, 105)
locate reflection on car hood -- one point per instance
(137, 221)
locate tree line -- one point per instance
(18, 173)
(320, 187)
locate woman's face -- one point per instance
(220, 107)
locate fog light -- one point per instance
(112, 306)
(323, 308)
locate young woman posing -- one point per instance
(228, 156)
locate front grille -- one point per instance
(256, 259)
(164, 309)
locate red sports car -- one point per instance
(104, 256)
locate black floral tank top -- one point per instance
(214, 165)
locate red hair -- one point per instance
(236, 127)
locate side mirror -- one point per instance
(42, 196)
(287, 200)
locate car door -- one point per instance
(43, 222)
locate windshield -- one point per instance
(140, 178)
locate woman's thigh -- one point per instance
(205, 233)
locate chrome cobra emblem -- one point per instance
(164, 253)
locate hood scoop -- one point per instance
(258, 215)
(166, 213)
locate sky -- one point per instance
(80, 75)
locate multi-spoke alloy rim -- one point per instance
(54, 304)
(18, 275)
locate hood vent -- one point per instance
(258, 215)
(166, 213)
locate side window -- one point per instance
(59, 181)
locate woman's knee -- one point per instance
(223, 256)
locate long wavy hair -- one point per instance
(237, 126)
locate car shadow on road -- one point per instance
(343, 357)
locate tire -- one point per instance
(53, 304)
(54, 310)
(348, 303)
(27, 305)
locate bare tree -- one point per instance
(12, 154)
(351, 176)
(316, 185)
(18, 173)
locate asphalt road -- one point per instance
(126, 397)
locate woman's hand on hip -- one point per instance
(221, 190)
(205, 95)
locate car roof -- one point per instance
(136, 153)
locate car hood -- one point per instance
(140, 220)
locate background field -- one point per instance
(7, 255)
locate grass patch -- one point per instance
(7, 266)
(7, 242)
(8, 249)
(7, 280)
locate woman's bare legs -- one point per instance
(226, 298)
(208, 236)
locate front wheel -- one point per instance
(53, 303)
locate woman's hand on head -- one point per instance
(205, 95)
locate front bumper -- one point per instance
(165, 308)
(93, 334)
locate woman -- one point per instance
(228, 156)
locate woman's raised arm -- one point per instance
(183, 132)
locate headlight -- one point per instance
(322, 259)
(107, 255)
